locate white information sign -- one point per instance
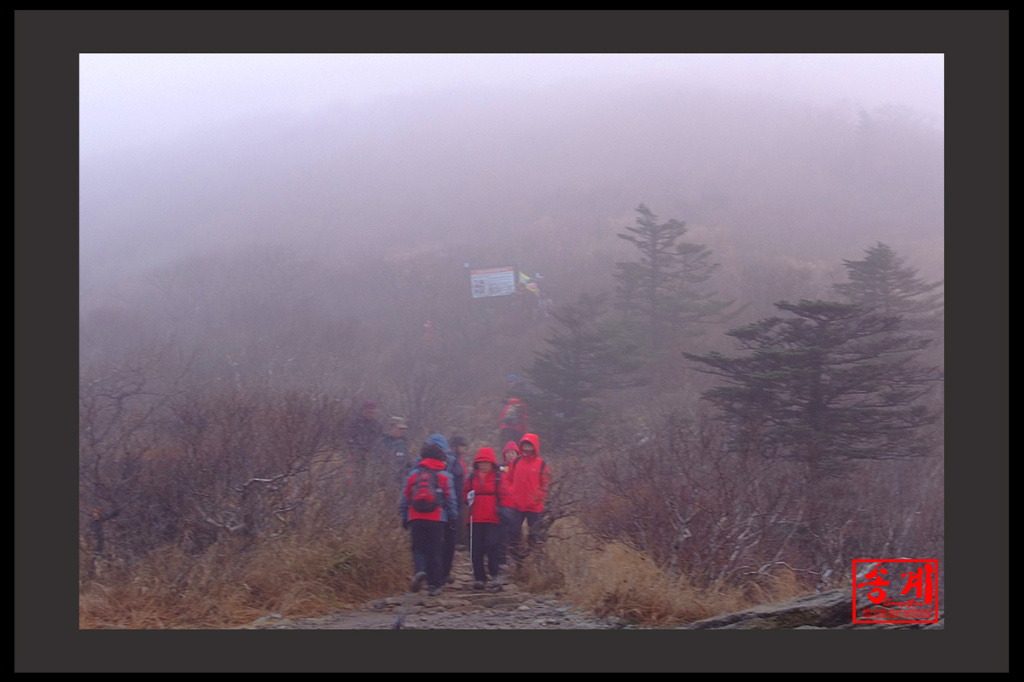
(493, 282)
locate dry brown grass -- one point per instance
(304, 574)
(613, 579)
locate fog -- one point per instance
(136, 100)
(269, 242)
(350, 155)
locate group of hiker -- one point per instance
(486, 503)
(447, 505)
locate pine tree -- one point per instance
(584, 357)
(832, 383)
(663, 287)
(882, 282)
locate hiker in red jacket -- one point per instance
(484, 522)
(527, 481)
(512, 422)
(428, 517)
(508, 455)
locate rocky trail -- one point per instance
(458, 607)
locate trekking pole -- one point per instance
(469, 503)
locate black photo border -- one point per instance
(976, 49)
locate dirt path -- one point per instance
(458, 607)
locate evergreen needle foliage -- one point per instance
(584, 357)
(833, 382)
(662, 290)
(883, 282)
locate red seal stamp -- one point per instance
(895, 591)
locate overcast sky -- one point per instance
(129, 101)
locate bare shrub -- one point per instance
(771, 528)
(343, 548)
(248, 462)
(302, 574)
(120, 408)
(231, 505)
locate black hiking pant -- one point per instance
(427, 547)
(462, 536)
(451, 533)
(505, 516)
(515, 531)
(486, 544)
(506, 434)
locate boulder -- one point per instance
(829, 610)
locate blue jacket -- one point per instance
(454, 468)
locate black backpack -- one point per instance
(456, 471)
(426, 494)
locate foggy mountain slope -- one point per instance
(775, 175)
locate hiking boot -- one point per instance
(494, 586)
(434, 591)
(417, 581)
(479, 585)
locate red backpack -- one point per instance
(513, 416)
(426, 494)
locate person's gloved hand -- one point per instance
(405, 524)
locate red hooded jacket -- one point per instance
(527, 479)
(508, 455)
(487, 491)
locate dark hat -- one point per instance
(370, 405)
(432, 451)
(456, 441)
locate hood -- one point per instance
(485, 454)
(532, 438)
(438, 439)
(509, 452)
(430, 463)
(515, 401)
